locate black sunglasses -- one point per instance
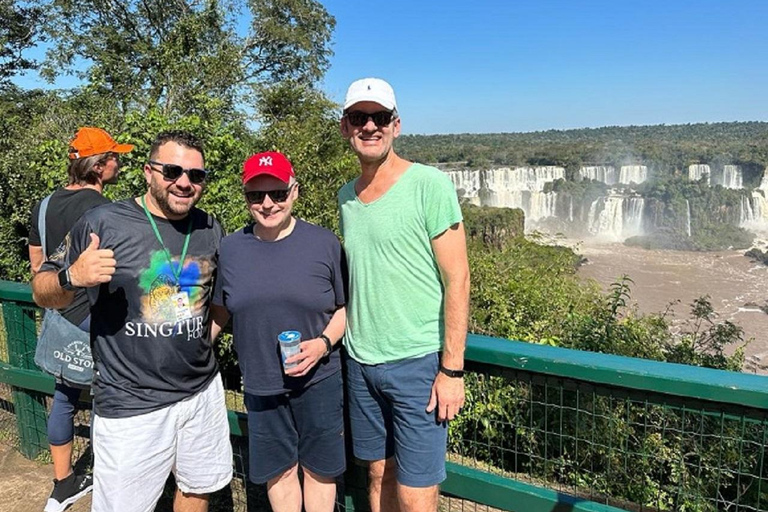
(358, 118)
(172, 172)
(258, 196)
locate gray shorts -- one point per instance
(387, 412)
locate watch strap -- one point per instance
(451, 373)
(328, 344)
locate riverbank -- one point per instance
(662, 279)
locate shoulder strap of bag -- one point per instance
(41, 223)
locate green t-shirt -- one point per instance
(395, 307)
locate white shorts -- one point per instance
(133, 456)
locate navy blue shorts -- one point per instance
(305, 426)
(387, 413)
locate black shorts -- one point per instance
(305, 426)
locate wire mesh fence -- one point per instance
(636, 451)
(630, 449)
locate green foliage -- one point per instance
(492, 226)
(19, 30)
(302, 123)
(705, 341)
(618, 447)
(185, 57)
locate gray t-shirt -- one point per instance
(293, 284)
(145, 358)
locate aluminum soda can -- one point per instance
(290, 342)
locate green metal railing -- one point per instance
(545, 429)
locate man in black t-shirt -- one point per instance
(93, 163)
(148, 265)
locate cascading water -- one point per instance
(732, 177)
(606, 217)
(699, 171)
(616, 217)
(688, 218)
(764, 181)
(542, 205)
(753, 213)
(633, 174)
(633, 216)
(604, 173)
(517, 187)
(467, 184)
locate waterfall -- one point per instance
(698, 171)
(753, 214)
(606, 217)
(732, 177)
(633, 174)
(570, 209)
(466, 183)
(616, 217)
(688, 218)
(517, 187)
(764, 182)
(633, 217)
(542, 205)
(604, 173)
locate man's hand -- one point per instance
(447, 396)
(312, 351)
(94, 266)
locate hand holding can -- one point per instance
(290, 344)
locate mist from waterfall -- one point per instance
(633, 174)
(616, 217)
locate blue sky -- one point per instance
(513, 66)
(509, 66)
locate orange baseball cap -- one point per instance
(91, 141)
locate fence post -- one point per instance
(29, 406)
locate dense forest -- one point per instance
(667, 147)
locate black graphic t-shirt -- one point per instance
(146, 359)
(64, 209)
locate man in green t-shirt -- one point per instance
(408, 305)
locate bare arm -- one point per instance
(36, 258)
(313, 350)
(47, 293)
(219, 319)
(450, 250)
(94, 266)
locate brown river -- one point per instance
(735, 284)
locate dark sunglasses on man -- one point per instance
(172, 172)
(258, 196)
(358, 118)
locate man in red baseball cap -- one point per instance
(93, 163)
(290, 273)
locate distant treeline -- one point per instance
(664, 147)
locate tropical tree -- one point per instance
(186, 56)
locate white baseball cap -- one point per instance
(371, 89)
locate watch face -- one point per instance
(64, 280)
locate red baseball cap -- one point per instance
(271, 163)
(91, 141)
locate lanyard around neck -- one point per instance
(176, 271)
